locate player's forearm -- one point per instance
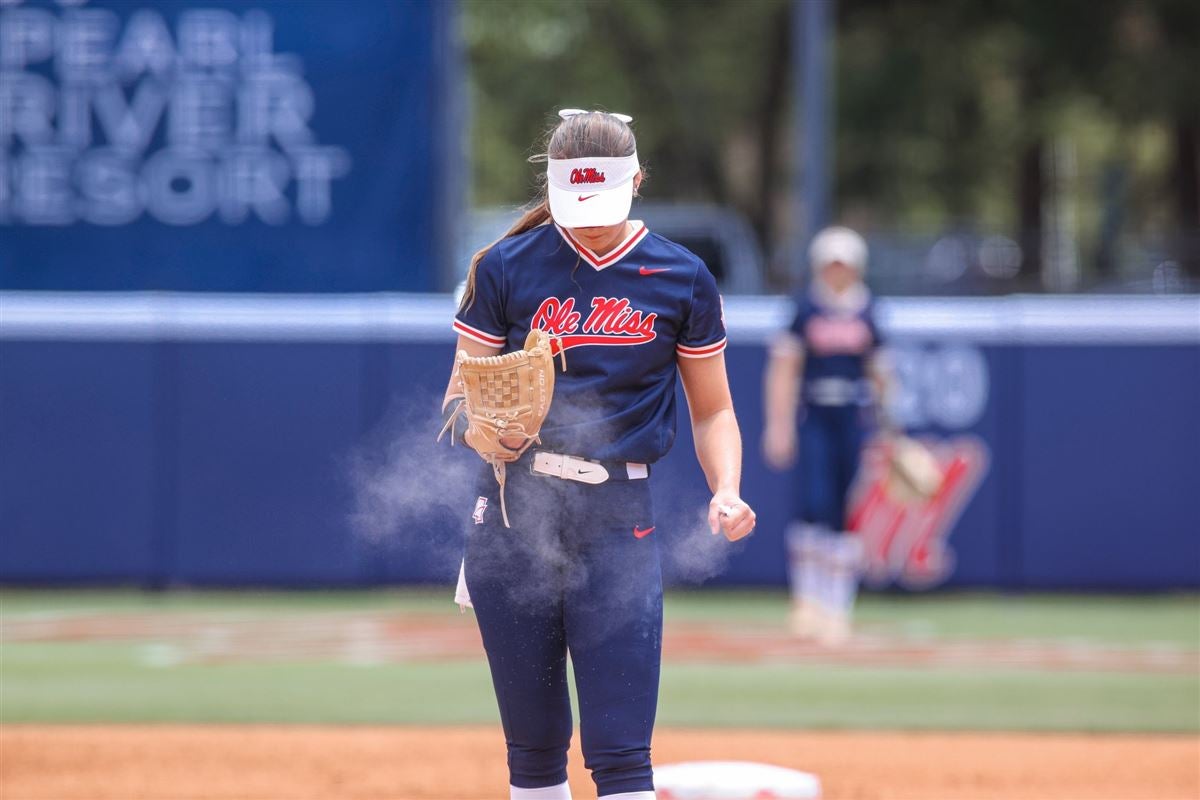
(472, 348)
(452, 388)
(719, 450)
(781, 391)
(881, 385)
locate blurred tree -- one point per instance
(950, 115)
(942, 104)
(1154, 78)
(705, 82)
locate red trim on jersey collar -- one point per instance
(614, 255)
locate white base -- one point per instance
(733, 780)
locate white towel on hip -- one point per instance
(461, 595)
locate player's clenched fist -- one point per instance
(729, 514)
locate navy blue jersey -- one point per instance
(623, 319)
(836, 338)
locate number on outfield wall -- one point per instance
(943, 386)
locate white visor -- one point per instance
(591, 192)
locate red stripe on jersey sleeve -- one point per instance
(476, 335)
(701, 352)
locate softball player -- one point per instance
(825, 366)
(578, 571)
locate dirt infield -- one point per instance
(414, 763)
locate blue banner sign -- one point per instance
(228, 146)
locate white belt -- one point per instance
(572, 468)
(833, 392)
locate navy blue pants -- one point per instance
(831, 440)
(570, 575)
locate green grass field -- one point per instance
(126, 679)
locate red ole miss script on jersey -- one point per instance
(612, 321)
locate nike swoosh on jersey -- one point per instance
(639, 533)
(644, 270)
(583, 197)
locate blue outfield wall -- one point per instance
(287, 441)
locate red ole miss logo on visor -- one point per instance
(587, 175)
(612, 321)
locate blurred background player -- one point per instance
(824, 367)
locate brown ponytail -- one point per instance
(593, 134)
(536, 214)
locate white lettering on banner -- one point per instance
(105, 120)
(942, 385)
